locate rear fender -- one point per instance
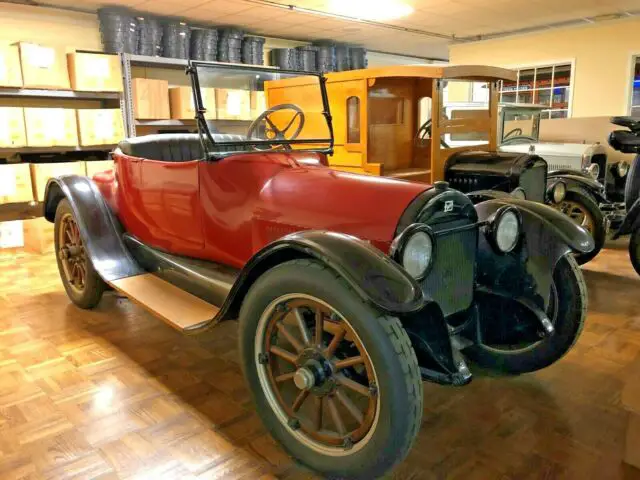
(579, 183)
(100, 230)
(527, 272)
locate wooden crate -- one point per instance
(94, 72)
(12, 131)
(233, 104)
(182, 105)
(150, 99)
(11, 234)
(39, 236)
(43, 67)
(15, 183)
(51, 127)
(98, 166)
(100, 126)
(10, 70)
(42, 172)
(258, 104)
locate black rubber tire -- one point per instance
(94, 285)
(390, 351)
(572, 310)
(599, 233)
(634, 250)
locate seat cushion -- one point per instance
(177, 147)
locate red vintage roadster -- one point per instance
(349, 289)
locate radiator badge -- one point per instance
(448, 206)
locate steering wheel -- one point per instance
(267, 129)
(515, 131)
(425, 131)
(519, 139)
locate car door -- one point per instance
(169, 193)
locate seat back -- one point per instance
(177, 147)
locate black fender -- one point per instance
(527, 272)
(579, 182)
(483, 195)
(99, 228)
(631, 221)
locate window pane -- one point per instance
(560, 98)
(635, 101)
(526, 79)
(542, 97)
(635, 112)
(508, 98)
(562, 75)
(353, 120)
(509, 86)
(558, 114)
(543, 77)
(424, 110)
(525, 97)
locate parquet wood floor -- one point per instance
(116, 394)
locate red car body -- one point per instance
(225, 211)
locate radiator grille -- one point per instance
(450, 281)
(534, 182)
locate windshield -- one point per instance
(255, 108)
(466, 102)
(520, 126)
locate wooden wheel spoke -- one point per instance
(349, 362)
(335, 415)
(304, 331)
(297, 403)
(284, 377)
(290, 338)
(350, 406)
(284, 354)
(68, 234)
(335, 341)
(317, 413)
(353, 385)
(319, 326)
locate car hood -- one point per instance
(319, 198)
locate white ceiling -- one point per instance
(425, 33)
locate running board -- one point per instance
(176, 307)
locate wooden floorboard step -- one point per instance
(178, 308)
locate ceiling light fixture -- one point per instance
(375, 10)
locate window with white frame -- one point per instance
(635, 87)
(548, 85)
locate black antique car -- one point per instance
(349, 289)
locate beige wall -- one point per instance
(601, 54)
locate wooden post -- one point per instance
(493, 115)
(437, 165)
(631, 403)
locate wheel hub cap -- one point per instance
(304, 379)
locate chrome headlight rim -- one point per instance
(622, 168)
(494, 224)
(399, 245)
(594, 170)
(557, 192)
(519, 193)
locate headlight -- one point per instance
(417, 254)
(622, 168)
(519, 193)
(586, 158)
(505, 229)
(594, 170)
(558, 191)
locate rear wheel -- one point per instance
(334, 380)
(584, 211)
(513, 344)
(634, 250)
(80, 280)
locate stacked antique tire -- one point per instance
(176, 40)
(149, 36)
(307, 58)
(204, 44)
(285, 58)
(118, 30)
(230, 45)
(343, 61)
(253, 50)
(357, 58)
(326, 57)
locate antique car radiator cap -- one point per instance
(441, 185)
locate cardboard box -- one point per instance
(43, 67)
(15, 183)
(150, 99)
(12, 131)
(42, 172)
(258, 104)
(51, 127)
(10, 70)
(11, 234)
(94, 72)
(100, 127)
(182, 104)
(233, 104)
(98, 166)
(39, 236)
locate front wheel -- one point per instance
(584, 211)
(335, 381)
(512, 345)
(634, 250)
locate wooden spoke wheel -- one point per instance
(317, 375)
(72, 253)
(578, 213)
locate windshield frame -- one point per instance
(534, 110)
(203, 127)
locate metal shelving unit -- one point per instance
(56, 94)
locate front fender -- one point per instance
(631, 220)
(577, 182)
(528, 271)
(100, 230)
